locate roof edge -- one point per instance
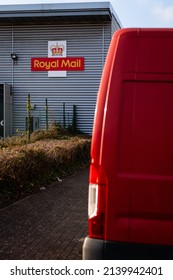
(58, 9)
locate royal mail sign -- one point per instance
(57, 64)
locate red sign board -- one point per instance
(57, 64)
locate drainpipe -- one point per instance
(12, 62)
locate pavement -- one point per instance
(48, 225)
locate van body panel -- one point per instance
(133, 138)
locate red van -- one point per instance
(131, 171)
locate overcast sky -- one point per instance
(132, 13)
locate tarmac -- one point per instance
(48, 225)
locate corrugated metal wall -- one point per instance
(115, 24)
(90, 40)
(5, 54)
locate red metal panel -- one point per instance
(133, 136)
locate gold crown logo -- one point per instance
(57, 50)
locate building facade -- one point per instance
(37, 39)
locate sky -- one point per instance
(131, 13)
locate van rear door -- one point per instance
(137, 153)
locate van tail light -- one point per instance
(96, 203)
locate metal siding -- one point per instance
(115, 25)
(5, 54)
(90, 40)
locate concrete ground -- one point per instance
(47, 225)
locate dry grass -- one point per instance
(26, 167)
